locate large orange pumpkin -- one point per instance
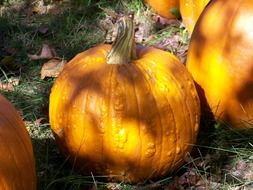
(17, 165)
(164, 8)
(190, 11)
(220, 59)
(124, 113)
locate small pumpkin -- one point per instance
(220, 59)
(124, 112)
(190, 11)
(165, 8)
(17, 164)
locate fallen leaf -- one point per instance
(113, 186)
(144, 27)
(241, 165)
(39, 121)
(40, 7)
(53, 10)
(46, 52)
(52, 68)
(36, 7)
(162, 22)
(107, 25)
(6, 86)
(9, 86)
(43, 29)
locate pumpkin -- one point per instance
(125, 112)
(165, 8)
(190, 11)
(220, 59)
(17, 165)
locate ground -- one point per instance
(222, 157)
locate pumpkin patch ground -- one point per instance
(38, 38)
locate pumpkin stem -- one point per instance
(123, 48)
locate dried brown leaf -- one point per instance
(6, 86)
(108, 24)
(243, 169)
(46, 52)
(36, 7)
(161, 22)
(144, 31)
(52, 68)
(42, 7)
(43, 29)
(39, 121)
(9, 86)
(53, 9)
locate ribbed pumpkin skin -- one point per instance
(190, 11)
(134, 120)
(17, 165)
(164, 7)
(220, 59)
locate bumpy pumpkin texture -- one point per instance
(17, 164)
(190, 11)
(127, 119)
(220, 59)
(164, 8)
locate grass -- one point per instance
(222, 156)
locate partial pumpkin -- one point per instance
(164, 8)
(17, 164)
(126, 113)
(220, 59)
(190, 11)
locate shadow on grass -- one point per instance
(53, 170)
(70, 31)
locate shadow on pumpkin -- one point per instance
(244, 96)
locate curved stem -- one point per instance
(123, 49)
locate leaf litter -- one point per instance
(10, 84)
(53, 66)
(46, 52)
